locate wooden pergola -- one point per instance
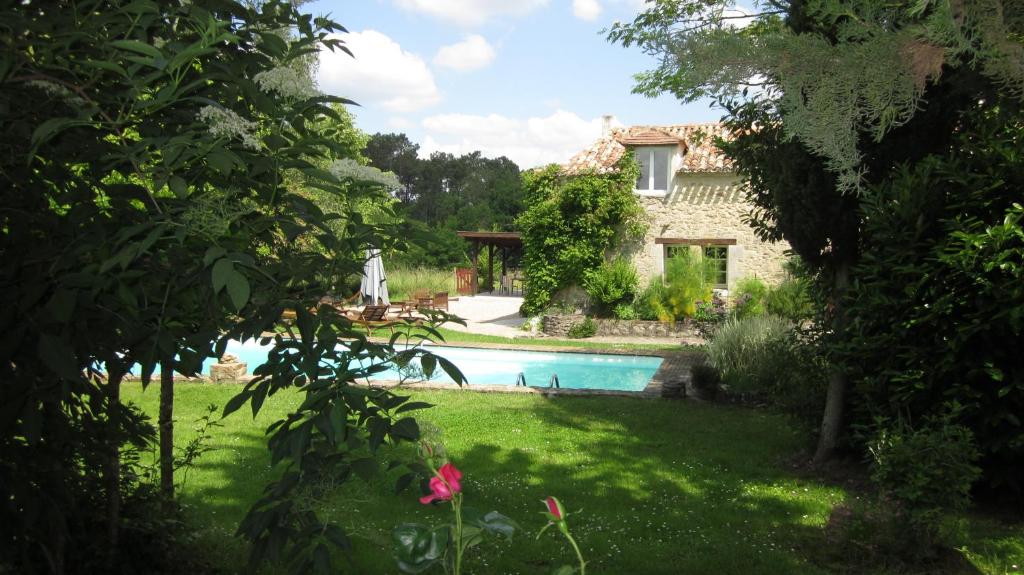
(505, 241)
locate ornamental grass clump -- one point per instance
(741, 351)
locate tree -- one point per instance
(146, 219)
(842, 94)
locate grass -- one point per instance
(652, 486)
(402, 282)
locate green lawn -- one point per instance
(654, 486)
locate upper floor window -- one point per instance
(655, 163)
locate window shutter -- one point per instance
(733, 265)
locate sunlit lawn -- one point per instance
(654, 486)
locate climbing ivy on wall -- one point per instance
(569, 223)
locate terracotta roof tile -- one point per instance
(699, 151)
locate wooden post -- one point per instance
(476, 252)
(490, 267)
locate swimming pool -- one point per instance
(503, 366)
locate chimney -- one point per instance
(606, 124)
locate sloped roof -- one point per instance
(700, 155)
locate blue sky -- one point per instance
(528, 79)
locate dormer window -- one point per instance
(655, 164)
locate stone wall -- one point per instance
(559, 325)
(704, 206)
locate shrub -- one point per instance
(710, 316)
(923, 473)
(626, 311)
(749, 297)
(610, 285)
(687, 281)
(644, 303)
(705, 379)
(790, 300)
(569, 224)
(741, 351)
(585, 328)
(796, 375)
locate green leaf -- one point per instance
(418, 547)
(238, 289)
(222, 271)
(235, 402)
(564, 570)
(452, 371)
(58, 356)
(403, 482)
(213, 254)
(498, 524)
(321, 559)
(137, 47)
(50, 128)
(178, 186)
(413, 405)
(406, 428)
(428, 363)
(221, 162)
(62, 305)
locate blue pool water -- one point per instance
(502, 367)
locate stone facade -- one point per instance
(701, 207)
(703, 200)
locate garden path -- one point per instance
(499, 315)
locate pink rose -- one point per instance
(555, 508)
(443, 485)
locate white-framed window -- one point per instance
(655, 169)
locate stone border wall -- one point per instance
(559, 325)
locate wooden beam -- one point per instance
(695, 242)
(475, 286)
(490, 267)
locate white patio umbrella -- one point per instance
(375, 284)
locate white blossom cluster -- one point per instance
(285, 81)
(55, 89)
(350, 169)
(226, 123)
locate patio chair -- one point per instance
(371, 316)
(440, 301)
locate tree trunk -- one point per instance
(113, 471)
(839, 380)
(166, 423)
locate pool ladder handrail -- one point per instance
(552, 383)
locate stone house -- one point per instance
(692, 197)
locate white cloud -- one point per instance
(529, 142)
(472, 53)
(587, 10)
(471, 12)
(738, 17)
(382, 73)
(399, 123)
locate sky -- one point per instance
(526, 79)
